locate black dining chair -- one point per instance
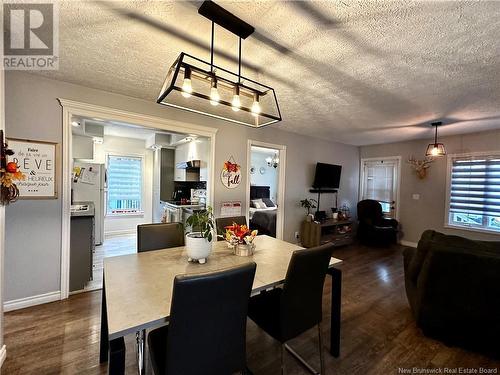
(207, 326)
(159, 236)
(285, 313)
(150, 237)
(222, 222)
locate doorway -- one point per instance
(265, 187)
(76, 110)
(380, 180)
(125, 175)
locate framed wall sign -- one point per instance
(38, 161)
(230, 175)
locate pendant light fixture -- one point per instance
(435, 149)
(273, 161)
(202, 87)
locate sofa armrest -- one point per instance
(408, 253)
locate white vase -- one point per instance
(197, 247)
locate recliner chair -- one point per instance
(374, 229)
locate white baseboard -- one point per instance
(408, 243)
(3, 355)
(21, 303)
(117, 233)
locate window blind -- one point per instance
(124, 175)
(475, 186)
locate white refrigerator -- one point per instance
(89, 185)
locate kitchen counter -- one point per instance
(79, 209)
(188, 205)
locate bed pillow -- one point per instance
(268, 202)
(258, 203)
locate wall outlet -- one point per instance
(416, 196)
(297, 235)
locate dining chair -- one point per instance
(285, 313)
(159, 236)
(207, 326)
(222, 222)
(154, 237)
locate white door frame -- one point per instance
(74, 108)
(280, 216)
(398, 179)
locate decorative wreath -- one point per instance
(9, 172)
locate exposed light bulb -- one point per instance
(187, 88)
(434, 151)
(236, 103)
(214, 93)
(256, 106)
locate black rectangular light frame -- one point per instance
(179, 62)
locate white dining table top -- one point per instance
(139, 286)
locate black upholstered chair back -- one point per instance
(207, 329)
(222, 222)
(159, 236)
(369, 211)
(301, 300)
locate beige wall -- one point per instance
(429, 211)
(33, 244)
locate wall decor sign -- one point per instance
(231, 174)
(230, 209)
(37, 161)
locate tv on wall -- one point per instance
(327, 176)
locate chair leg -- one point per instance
(283, 370)
(321, 359)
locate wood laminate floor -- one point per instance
(111, 247)
(378, 332)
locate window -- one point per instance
(474, 192)
(124, 174)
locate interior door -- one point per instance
(380, 181)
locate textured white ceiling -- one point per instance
(358, 72)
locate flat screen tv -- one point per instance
(327, 176)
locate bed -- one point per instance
(262, 218)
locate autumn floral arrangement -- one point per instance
(9, 172)
(231, 167)
(240, 238)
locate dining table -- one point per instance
(137, 288)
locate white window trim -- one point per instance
(397, 180)
(143, 185)
(449, 165)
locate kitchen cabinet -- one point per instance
(82, 147)
(204, 155)
(196, 150)
(81, 249)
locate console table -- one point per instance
(338, 232)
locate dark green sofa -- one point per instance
(453, 287)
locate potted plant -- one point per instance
(199, 237)
(308, 204)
